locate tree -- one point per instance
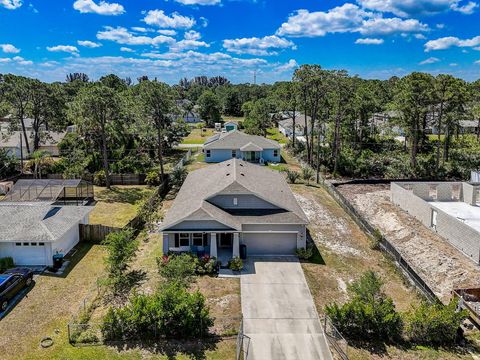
(72, 77)
(413, 99)
(287, 94)
(39, 160)
(157, 102)
(369, 315)
(178, 269)
(96, 109)
(209, 108)
(257, 117)
(114, 82)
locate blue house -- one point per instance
(238, 145)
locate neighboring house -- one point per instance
(234, 203)
(236, 144)
(469, 126)
(31, 233)
(13, 145)
(451, 209)
(230, 126)
(50, 142)
(302, 123)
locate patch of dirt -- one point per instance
(440, 265)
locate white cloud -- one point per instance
(175, 20)
(102, 8)
(17, 59)
(122, 36)
(199, 2)
(11, 4)
(346, 18)
(369, 41)
(192, 35)
(88, 44)
(406, 8)
(141, 29)
(126, 49)
(430, 60)
(453, 64)
(64, 48)
(477, 62)
(310, 24)
(187, 44)
(420, 36)
(258, 46)
(451, 41)
(9, 49)
(167, 32)
(381, 26)
(289, 66)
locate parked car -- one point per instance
(12, 282)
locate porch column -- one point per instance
(166, 243)
(236, 245)
(213, 245)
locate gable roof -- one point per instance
(228, 178)
(38, 222)
(234, 140)
(301, 121)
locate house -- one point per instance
(13, 143)
(448, 208)
(234, 203)
(31, 233)
(302, 123)
(50, 141)
(236, 144)
(469, 126)
(230, 126)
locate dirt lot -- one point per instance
(436, 261)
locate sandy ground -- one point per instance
(439, 264)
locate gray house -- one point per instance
(231, 203)
(238, 145)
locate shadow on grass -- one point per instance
(117, 195)
(77, 254)
(15, 300)
(317, 257)
(193, 349)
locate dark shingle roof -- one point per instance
(38, 222)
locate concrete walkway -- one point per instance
(279, 314)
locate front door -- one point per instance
(250, 156)
(226, 240)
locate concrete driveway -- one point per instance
(279, 313)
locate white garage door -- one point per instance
(270, 244)
(31, 254)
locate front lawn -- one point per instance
(198, 136)
(117, 206)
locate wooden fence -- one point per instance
(95, 233)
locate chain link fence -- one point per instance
(335, 338)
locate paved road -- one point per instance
(279, 313)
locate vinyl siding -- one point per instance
(243, 202)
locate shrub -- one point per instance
(307, 174)
(87, 337)
(235, 264)
(305, 253)
(369, 315)
(434, 324)
(153, 178)
(178, 176)
(206, 265)
(99, 178)
(6, 263)
(171, 312)
(121, 248)
(292, 176)
(179, 269)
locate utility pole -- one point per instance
(254, 77)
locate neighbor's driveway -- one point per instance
(279, 313)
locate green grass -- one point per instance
(233, 118)
(198, 136)
(117, 206)
(275, 134)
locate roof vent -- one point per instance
(242, 174)
(228, 174)
(228, 164)
(241, 164)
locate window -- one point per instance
(33, 244)
(207, 153)
(182, 240)
(234, 153)
(235, 201)
(26, 244)
(275, 153)
(41, 244)
(199, 239)
(18, 244)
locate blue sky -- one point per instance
(171, 39)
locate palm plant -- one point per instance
(307, 174)
(40, 159)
